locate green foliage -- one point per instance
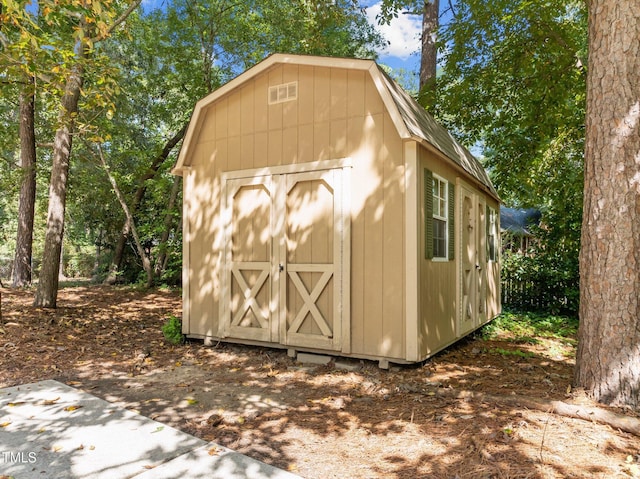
(512, 352)
(524, 326)
(172, 330)
(514, 83)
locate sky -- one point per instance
(403, 38)
(402, 35)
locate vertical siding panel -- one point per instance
(322, 95)
(305, 142)
(322, 141)
(355, 128)
(234, 111)
(355, 93)
(261, 144)
(274, 151)
(247, 105)
(260, 103)
(338, 139)
(221, 118)
(290, 145)
(373, 104)
(338, 93)
(246, 151)
(393, 246)
(234, 153)
(208, 129)
(305, 95)
(373, 272)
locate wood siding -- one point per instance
(338, 113)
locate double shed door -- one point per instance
(473, 261)
(285, 272)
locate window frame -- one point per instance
(492, 232)
(443, 210)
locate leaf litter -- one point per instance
(319, 421)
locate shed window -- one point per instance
(284, 92)
(440, 211)
(439, 201)
(492, 234)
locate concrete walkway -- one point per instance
(51, 430)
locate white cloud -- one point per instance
(402, 34)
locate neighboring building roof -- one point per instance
(411, 120)
(519, 221)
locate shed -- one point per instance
(326, 211)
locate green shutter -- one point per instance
(428, 214)
(451, 220)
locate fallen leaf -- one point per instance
(17, 403)
(158, 429)
(56, 448)
(149, 467)
(191, 401)
(49, 402)
(72, 408)
(5, 424)
(214, 451)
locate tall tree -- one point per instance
(24, 241)
(90, 18)
(608, 358)
(430, 12)
(513, 82)
(429, 54)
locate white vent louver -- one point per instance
(284, 92)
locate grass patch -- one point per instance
(512, 352)
(526, 327)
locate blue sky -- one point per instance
(402, 35)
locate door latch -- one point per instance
(280, 267)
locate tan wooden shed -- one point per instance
(326, 211)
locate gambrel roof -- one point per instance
(411, 120)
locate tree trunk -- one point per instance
(137, 199)
(24, 240)
(608, 357)
(161, 261)
(428, 58)
(146, 263)
(47, 291)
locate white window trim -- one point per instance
(493, 231)
(445, 218)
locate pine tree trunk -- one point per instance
(428, 57)
(47, 291)
(24, 240)
(608, 357)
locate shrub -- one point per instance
(172, 330)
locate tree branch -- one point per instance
(118, 21)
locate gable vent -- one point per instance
(282, 93)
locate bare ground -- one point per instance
(319, 422)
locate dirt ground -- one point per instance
(356, 421)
